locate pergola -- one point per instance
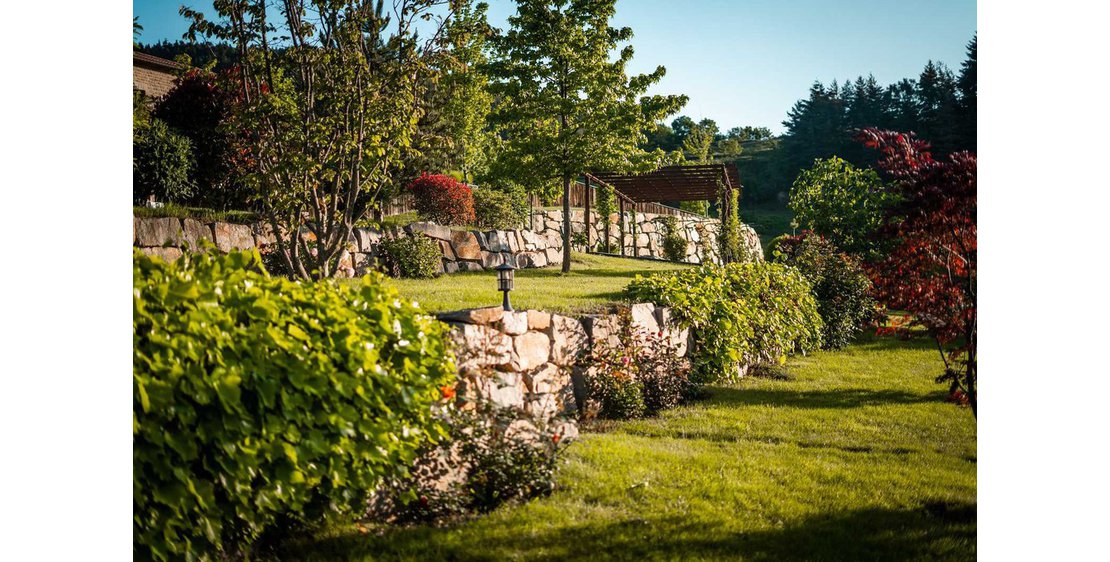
(670, 183)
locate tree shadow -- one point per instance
(817, 399)
(939, 530)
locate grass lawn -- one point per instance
(171, 210)
(593, 282)
(856, 456)
(768, 221)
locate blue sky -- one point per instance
(745, 62)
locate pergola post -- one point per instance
(586, 216)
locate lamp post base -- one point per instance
(505, 303)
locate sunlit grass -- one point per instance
(856, 456)
(593, 283)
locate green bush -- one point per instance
(162, 162)
(411, 256)
(497, 467)
(840, 285)
(499, 209)
(674, 245)
(739, 313)
(260, 401)
(841, 202)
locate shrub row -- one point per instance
(740, 313)
(261, 402)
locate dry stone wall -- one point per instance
(700, 233)
(461, 250)
(534, 362)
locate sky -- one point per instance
(744, 62)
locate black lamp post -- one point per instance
(505, 273)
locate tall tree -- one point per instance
(565, 104)
(331, 112)
(967, 85)
(936, 102)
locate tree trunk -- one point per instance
(566, 223)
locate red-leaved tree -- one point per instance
(931, 271)
(443, 200)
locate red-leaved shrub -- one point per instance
(443, 199)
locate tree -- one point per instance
(843, 203)
(331, 113)
(698, 144)
(967, 86)
(931, 272)
(469, 101)
(217, 56)
(565, 106)
(200, 107)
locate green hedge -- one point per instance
(740, 313)
(260, 401)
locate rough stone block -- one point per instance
(367, 239)
(484, 316)
(531, 259)
(429, 229)
(554, 255)
(465, 245)
(532, 349)
(469, 266)
(538, 320)
(643, 318)
(194, 231)
(481, 347)
(514, 323)
(542, 406)
(158, 232)
(168, 253)
(554, 240)
(603, 329)
(450, 267)
(568, 337)
(445, 249)
(491, 260)
(233, 236)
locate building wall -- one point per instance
(154, 82)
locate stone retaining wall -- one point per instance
(700, 233)
(462, 250)
(532, 361)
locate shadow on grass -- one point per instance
(931, 531)
(845, 398)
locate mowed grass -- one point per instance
(594, 282)
(768, 221)
(855, 457)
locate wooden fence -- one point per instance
(404, 203)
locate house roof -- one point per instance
(673, 183)
(153, 61)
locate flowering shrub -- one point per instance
(260, 401)
(642, 375)
(840, 285)
(739, 313)
(443, 200)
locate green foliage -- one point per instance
(696, 207)
(843, 203)
(416, 256)
(840, 285)
(616, 393)
(259, 400)
(674, 245)
(729, 238)
(162, 162)
(334, 99)
(565, 101)
(497, 467)
(740, 313)
(498, 209)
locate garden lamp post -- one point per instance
(505, 274)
